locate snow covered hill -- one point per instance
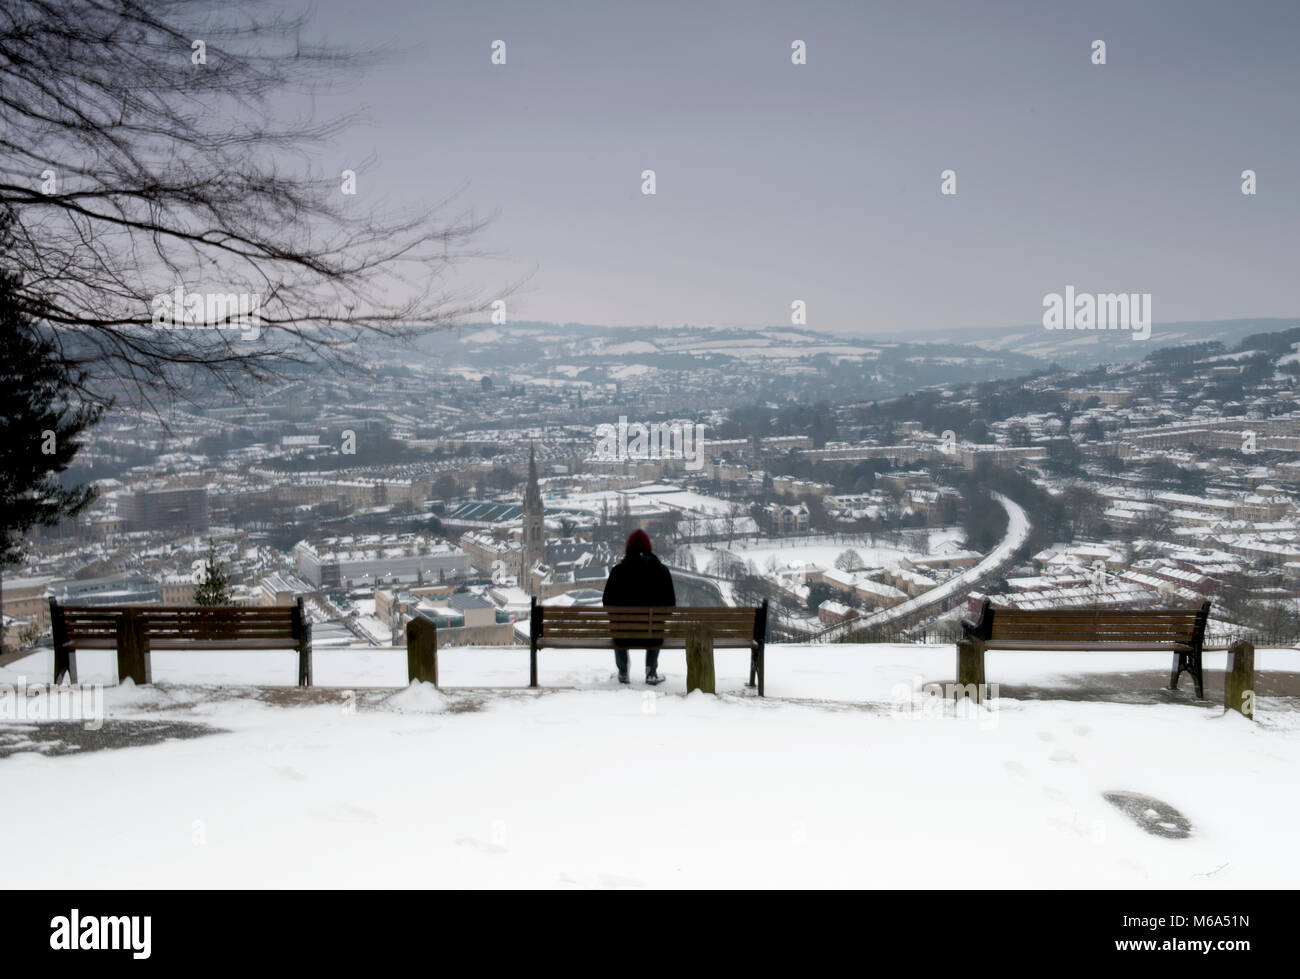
(844, 778)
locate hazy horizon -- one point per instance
(1281, 326)
(821, 182)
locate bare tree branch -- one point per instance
(134, 163)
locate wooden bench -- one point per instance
(135, 630)
(632, 627)
(1180, 631)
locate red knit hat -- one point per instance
(638, 542)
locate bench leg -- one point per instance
(132, 650)
(700, 673)
(532, 666)
(753, 666)
(304, 665)
(1187, 663)
(1239, 683)
(65, 663)
(421, 651)
(970, 669)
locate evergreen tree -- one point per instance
(214, 588)
(41, 419)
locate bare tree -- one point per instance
(849, 560)
(141, 153)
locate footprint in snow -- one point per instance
(1046, 736)
(1015, 768)
(1153, 815)
(1082, 731)
(291, 773)
(1060, 754)
(1073, 826)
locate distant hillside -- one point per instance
(782, 363)
(1085, 349)
(703, 365)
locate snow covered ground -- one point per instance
(818, 552)
(843, 776)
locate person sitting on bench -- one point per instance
(640, 579)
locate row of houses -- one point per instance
(27, 600)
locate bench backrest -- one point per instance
(1182, 626)
(199, 623)
(86, 624)
(173, 623)
(743, 625)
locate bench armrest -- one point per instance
(981, 629)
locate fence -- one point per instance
(1218, 636)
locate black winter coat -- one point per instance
(639, 579)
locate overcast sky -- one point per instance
(821, 182)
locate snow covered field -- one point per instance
(821, 552)
(842, 777)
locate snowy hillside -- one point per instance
(711, 365)
(843, 777)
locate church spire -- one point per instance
(534, 526)
(533, 495)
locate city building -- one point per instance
(178, 508)
(120, 590)
(351, 562)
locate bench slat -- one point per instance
(1154, 627)
(1094, 624)
(201, 644)
(733, 642)
(1097, 613)
(1089, 633)
(1084, 646)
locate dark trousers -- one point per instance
(651, 660)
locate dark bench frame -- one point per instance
(1179, 631)
(135, 630)
(633, 627)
